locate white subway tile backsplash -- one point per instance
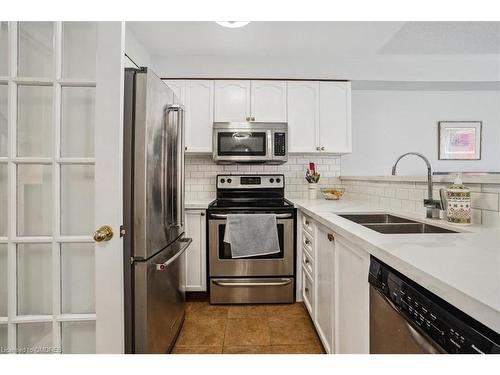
(491, 218)
(484, 201)
(409, 196)
(201, 172)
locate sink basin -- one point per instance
(407, 228)
(391, 224)
(375, 218)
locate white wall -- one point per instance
(388, 123)
(135, 51)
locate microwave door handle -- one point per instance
(269, 144)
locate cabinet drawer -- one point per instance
(308, 291)
(308, 243)
(307, 263)
(308, 225)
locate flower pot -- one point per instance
(313, 190)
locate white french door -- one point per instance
(51, 156)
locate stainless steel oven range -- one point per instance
(257, 279)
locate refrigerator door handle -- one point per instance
(163, 266)
(177, 167)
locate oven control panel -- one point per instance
(274, 181)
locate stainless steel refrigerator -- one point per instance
(154, 240)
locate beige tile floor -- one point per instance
(247, 329)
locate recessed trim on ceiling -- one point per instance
(232, 24)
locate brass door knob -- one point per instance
(104, 233)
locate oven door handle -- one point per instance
(278, 216)
(251, 284)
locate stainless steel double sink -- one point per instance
(391, 224)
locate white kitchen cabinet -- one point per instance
(196, 254)
(352, 307)
(335, 117)
(303, 116)
(324, 286)
(319, 116)
(197, 97)
(178, 87)
(199, 116)
(259, 101)
(268, 101)
(232, 101)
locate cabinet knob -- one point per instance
(248, 118)
(318, 148)
(185, 148)
(306, 289)
(202, 214)
(330, 237)
(253, 118)
(307, 261)
(307, 223)
(307, 242)
(322, 148)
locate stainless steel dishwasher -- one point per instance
(406, 318)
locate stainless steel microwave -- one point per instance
(250, 142)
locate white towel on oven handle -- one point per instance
(251, 235)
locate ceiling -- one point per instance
(327, 48)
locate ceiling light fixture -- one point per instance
(232, 24)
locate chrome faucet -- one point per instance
(433, 206)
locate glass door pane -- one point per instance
(35, 49)
(34, 200)
(34, 121)
(4, 116)
(3, 200)
(3, 339)
(77, 200)
(79, 50)
(34, 279)
(78, 337)
(3, 280)
(34, 338)
(77, 126)
(4, 48)
(77, 278)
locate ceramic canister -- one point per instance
(458, 198)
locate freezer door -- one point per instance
(159, 299)
(152, 158)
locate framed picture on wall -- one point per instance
(459, 140)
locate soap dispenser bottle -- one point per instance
(458, 202)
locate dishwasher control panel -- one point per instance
(452, 330)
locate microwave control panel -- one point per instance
(279, 144)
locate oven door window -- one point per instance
(241, 143)
(225, 248)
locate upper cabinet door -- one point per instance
(303, 116)
(199, 104)
(178, 87)
(268, 101)
(232, 101)
(335, 117)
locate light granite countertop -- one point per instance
(462, 268)
(201, 204)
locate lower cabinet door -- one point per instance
(352, 315)
(324, 287)
(196, 255)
